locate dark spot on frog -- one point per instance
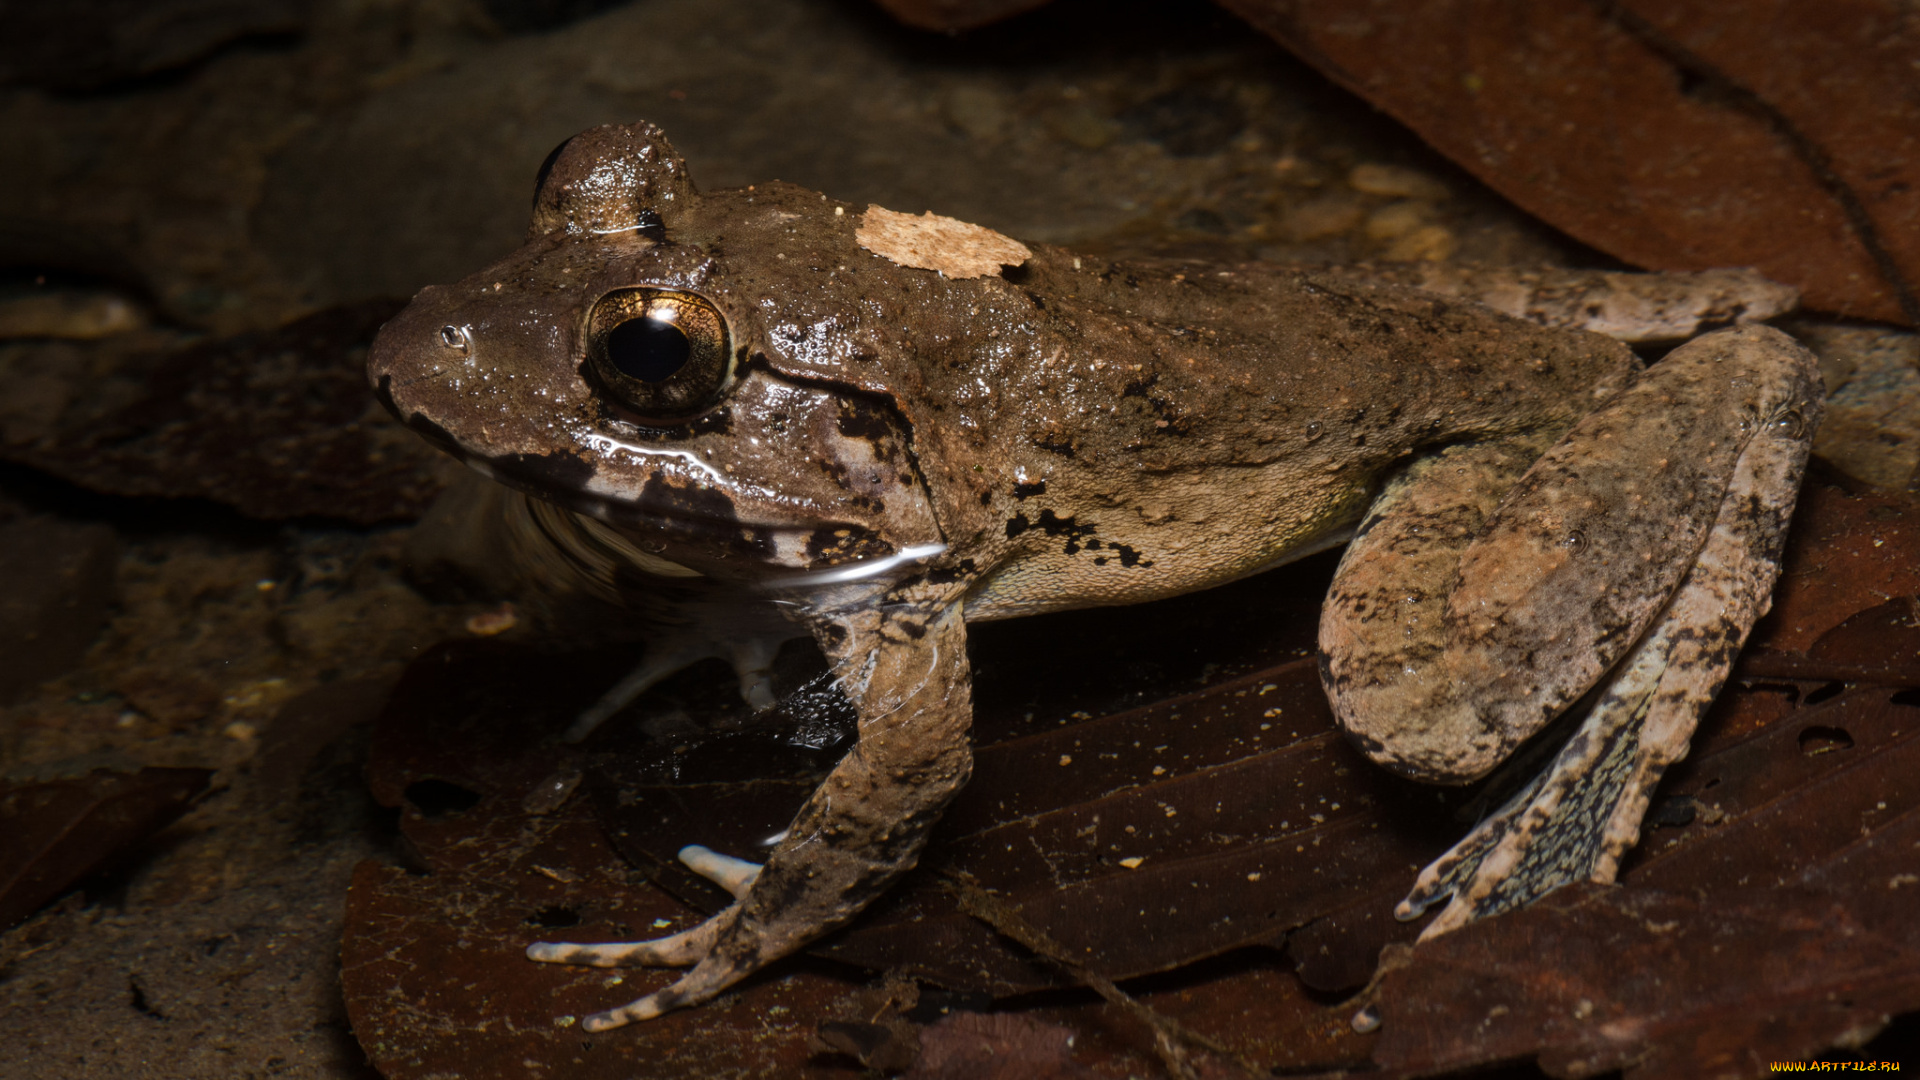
(1027, 491)
(1129, 557)
(844, 544)
(698, 514)
(862, 419)
(1054, 444)
(1053, 525)
(648, 224)
(558, 472)
(432, 432)
(836, 472)
(947, 575)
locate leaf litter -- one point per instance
(1220, 851)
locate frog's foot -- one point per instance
(1570, 823)
(675, 950)
(751, 657)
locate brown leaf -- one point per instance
(60, 831)
(276, 424)
(1783, 778)
(434, 965)
(1766, 914)
(1675, 136)
(970, 1046)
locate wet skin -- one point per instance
(759, 388)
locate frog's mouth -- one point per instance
(694, 525)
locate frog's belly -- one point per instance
(1171, 538)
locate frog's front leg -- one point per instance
(1640, 550)
(904, 665)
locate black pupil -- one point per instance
(648, 349)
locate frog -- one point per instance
(882, 427)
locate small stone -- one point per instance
(1327, 215)
(1396, 182)
(1398, 219)
(498, 621)
(1429, 243)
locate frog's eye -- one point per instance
(663, 354)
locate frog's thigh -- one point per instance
(1438, 667)
(1575, 820)
(906, 670)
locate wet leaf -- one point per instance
(1266, 849)
(60, 831)
(276, 424)
(434, 968)
(1675, 136)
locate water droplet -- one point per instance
(1574, 541)
(1313, 430)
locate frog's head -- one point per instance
(634, 362)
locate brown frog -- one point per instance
(885, 427)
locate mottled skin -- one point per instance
(1074, 432)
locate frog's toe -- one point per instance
(734, 875)
(633, 1012)
(674, 950)
(696, 986)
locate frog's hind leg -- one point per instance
(1668, 523)
(1578, 817)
